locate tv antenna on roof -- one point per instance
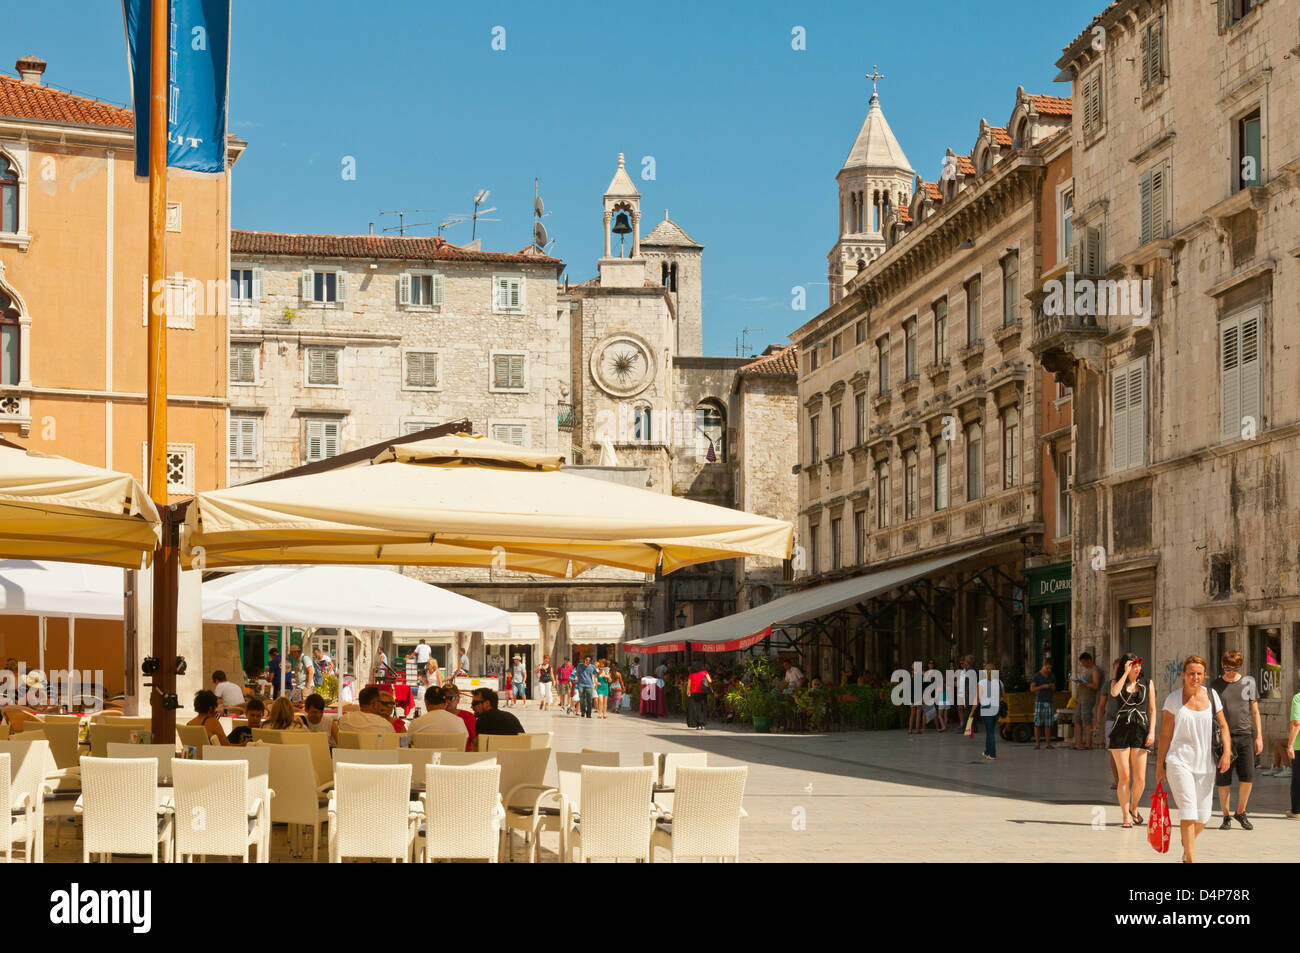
(540, 239)
(401, 214)
(744, 349)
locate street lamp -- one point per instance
(681, 618)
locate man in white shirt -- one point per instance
(793, 677)
(438, 717)
(228, 693)
(636, 668)
(422, 655)
(368, 718)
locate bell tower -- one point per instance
(626, 269)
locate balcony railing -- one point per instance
(564, 416)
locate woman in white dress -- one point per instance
(1185, 764)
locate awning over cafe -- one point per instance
(743, 629)
(525, 627)
(595, 628)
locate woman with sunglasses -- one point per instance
(1133, 733)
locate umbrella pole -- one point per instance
(40, 647)
(72, 637)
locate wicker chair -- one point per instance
(365, 756)
(370, 813)
(260, 792)
(533, 808)
(616, 816)
(541, 739)
(63, 738)
(22, 817)
(120, 809)
(453, 758)
(101, 736)
(442, 740)
(318, 743)
(368, 740)
(193, 736)
(672, 761)
(163, 754)
(29, 765)
(706, 818)
(297, 798)
(212, 805)
(462, 809)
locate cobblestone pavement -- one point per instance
(891, 796)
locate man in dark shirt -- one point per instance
(1239, 695)
(254, 711)
(1043, 685)
(490, 720)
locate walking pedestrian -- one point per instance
(1132, 734)
(1043, 685)
(1185, 763)
(965, 681)
(1240, 697)
(616, 690)
(544, 678)
(585, 675)
(989, 699)
(602, 688)
(1104, 721)
(519, 681)
(566, 687)
(1088, 682)
(1292, 746)
(697, 708)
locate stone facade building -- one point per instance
(1187, 412)
(921, 408)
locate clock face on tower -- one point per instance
(622, 365)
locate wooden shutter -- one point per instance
(259, 282)
(242, 363)
(341, 286)
(1252, 397)
(315, 366)
(1230, 379)
(1144, 201)
(1137, 414)
(436, 290)
(508, 371)
(1076, 256)
(243, 438)
(941, 480)
(315, 440)
(421, 369)
(331, 366)
(1159, 188)
(1119, 418)
(308, 285)
(232, 438)
(501, 292)
(1092, 251)
(404, 288)
(1092, 103)
(516, 292)
(330, 433)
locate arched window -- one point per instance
(985, 162)
(711, 431)
(670, 275)
(8, 196)
(10, 341)
(1021, 139)
(641, 424)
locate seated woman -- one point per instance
(283, 717)
(205, 703)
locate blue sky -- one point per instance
(747, 133)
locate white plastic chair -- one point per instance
(370, 812)
(297, 797)
(462, 811)
(258, 759)
(21, 814)
(30, 767)
(212, 810)
(440, 739)
(365, 756)
(121, 810)
(706, 818)
(368, 740)
(162, 753)
(617, 814)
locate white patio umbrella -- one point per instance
(344, 597)
(59, 590)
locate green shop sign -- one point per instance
(1049, 584)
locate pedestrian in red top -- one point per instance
(566, 686)
(697, 710)
(452, 695)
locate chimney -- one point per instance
(30, 69)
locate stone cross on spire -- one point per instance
(874, 76)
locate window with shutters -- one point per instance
(1010, 447)
(910, 508)
(1153, 197)
(882, 350)
(420, 371)
(415, 426)
(419, 289)
(860, 332)
(1235, 10)
(322, 367)
(974, 462)
(1064, 483)
(245, 285)
(1011, 290)
(508, 293)
(245, 438)
(974, 331)
(859, 419)
(859, 537)
(1092, 104)
(1065, 222)
(511, 433)
(509, 371)
(814, 547)
(836, 418)
(941, 330)
(243, 363)
(324, 287)
(180, 298)
(837, 345)
(940, 496)
(1250, 156)
(1128, 415)
(1153, 51)
(11, 188)
(909, 343)
(837, 543)
(1241, 381)
(814, 438)
(322, 437)
(882, 494)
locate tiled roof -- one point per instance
(19, 100)
(371, 246)
(782, 363)
(1000, 135)
(904, 215)
(1052, 105)
(669, 232)
(933, 191)
(965, 166)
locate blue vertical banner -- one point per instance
(198, 81)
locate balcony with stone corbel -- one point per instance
(1062, 337)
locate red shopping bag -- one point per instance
(970, 725)
(1158, 822)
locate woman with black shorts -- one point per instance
(1132, 734)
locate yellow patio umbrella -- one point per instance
(55, 508)
(465, 500)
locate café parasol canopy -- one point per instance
(463, 500)
(55, 508)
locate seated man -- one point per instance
(437, 718)
(370, 715)
(452, 694)
(230, 695)
(315, 719)
(388, 705)
(490, 720)
(255, 711)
